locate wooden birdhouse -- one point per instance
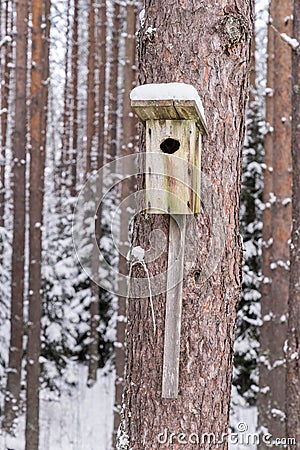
(175, 124)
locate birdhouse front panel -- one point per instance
(175, 123)
(173, 152)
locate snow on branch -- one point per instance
(5, 40)
(292, 42)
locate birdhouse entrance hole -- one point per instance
(169, 146)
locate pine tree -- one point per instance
(169, 50)
(293, 350)
(19, 145)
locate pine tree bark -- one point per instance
(267, 226)
(273, 333)
(38, 126)
(19, 143)
(293, 353)
(67, 104)
(74, 150)
(101, 41)
(193, 43)
(91, 157)
(128, 141)
(112, 143)
(100, 46)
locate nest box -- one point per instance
(175, 123)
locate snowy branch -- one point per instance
(5, 40)
(292, 42)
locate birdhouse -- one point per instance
(175, 123)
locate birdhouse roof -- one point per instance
(168, 101)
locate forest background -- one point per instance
(67, 68)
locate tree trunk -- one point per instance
(113, 85)
(19, 142)
(129, 131)
(73, 174)
(38, 126)
(5, 87)
(209, 47)
(293, 369)
(67, 107)
(93, 350)
(267, 228)
(275, 307)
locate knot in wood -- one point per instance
(234, 28)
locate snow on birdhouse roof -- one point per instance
(175, 101)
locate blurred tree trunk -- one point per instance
(267, 225)
(128, 141)
(67, 105)
(293, 353)
(193, 43)
(91, 159)
(40, 11)
(19, 143)
(101, 51)
(74, 148)
(113, 85)
(252, 76)
(5, 88)
(274, 307)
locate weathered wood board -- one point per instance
(172, 180)
(173, 306)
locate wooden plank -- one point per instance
(155, 109)
(171, 356)
(169, 177)
(170, 110)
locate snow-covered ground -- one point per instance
(82, 420)
(243, 424)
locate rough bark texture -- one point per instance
(293, 354)
(129, 131)
(11, 408)
(207, 45)
(274, 306)
(38, 116)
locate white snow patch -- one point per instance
(5, 40)
(142, 17)
(150, 30)
(81, 419)
(286, 201)
(291, 41)
(138, 253)
(167, 91)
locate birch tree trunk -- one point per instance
(208, 46)
(293, 353)
(19, 143)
